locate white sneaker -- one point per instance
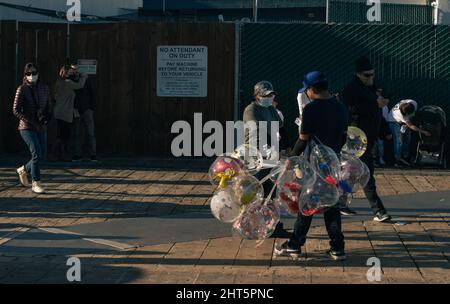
(23, 177)
(37, 188)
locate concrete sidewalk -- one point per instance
(143, 225)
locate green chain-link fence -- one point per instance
(355, 11)
(411, 61)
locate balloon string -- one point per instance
(274, 186)
(259, 243)
(267, 177)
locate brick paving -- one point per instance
(415, 253)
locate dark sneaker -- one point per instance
(77, 159)
(94, 159)
(337, 255)
(347, 211)
(286, 250)
(382, 216)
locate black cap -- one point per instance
(363, 64)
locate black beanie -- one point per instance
(363, 64)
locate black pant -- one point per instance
(371, 189)
(332, 219)
(64, 130)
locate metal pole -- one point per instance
(435, 4)
(255, 11)
(164, 7)
(327, 13)
(68, 44)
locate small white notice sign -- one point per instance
(87, 66)
(182, 71)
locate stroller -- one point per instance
(433, 120)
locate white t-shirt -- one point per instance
(385, 111)
(302, 100)
(396, 116)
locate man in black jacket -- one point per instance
(85, 105)
(365, 113)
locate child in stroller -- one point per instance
(433, 120)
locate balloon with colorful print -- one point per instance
(224, 169)
(356, 143)
(326, 163)
(247, 189)
(297, 174)
(319, 195)
(352, 169)
(224, 206)
(258, 221)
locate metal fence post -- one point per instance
(327, 13)
(68, 44)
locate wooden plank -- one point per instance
(432, 263)
(319, 265)
(219, 253)
(397, 264)
(441, 183)
(420, 183)
(254, 256)
(400, 184)
(358, 250)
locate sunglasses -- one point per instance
(368, 75)
(31, 73)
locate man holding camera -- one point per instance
(365, 105)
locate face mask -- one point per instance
(266, 102)
(32, 78)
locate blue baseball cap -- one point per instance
(313, 78)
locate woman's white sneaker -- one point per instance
(23, 177)
(37, 188)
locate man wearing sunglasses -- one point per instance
(84, 123)
(365, 113)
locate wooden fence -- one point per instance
(130, 118)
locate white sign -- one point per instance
(182, 71)
(87, 66)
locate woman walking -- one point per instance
(32, 108)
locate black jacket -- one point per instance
(364, 110)
(85, 98)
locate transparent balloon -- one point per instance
(276, 171)
(318, 196)
(297, 173)
(352, 169)
(356, 143)
(224, 169)
(288, 195)
(224, 206)
(258, 221)
(247, 189)
(326, 163)
(364, 178)
(250, 156)
(270, 153)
